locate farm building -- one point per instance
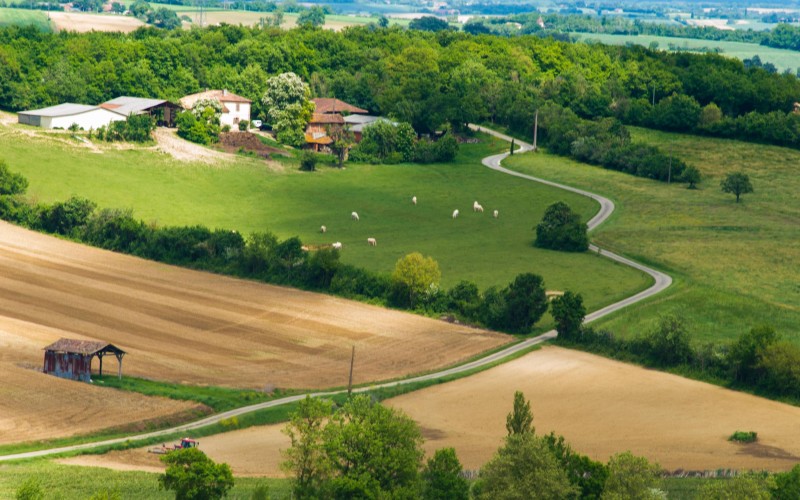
(68, 114)
(327, 105)
(163, 111)
(235, 108)
(72, 359)
(318, 128)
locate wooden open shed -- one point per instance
(72, 359)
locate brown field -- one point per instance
(81, 22)
(601, 406)
(187, 326)
(236, 17)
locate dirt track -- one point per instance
(193, 327)
(601, 406)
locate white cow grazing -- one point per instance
(478, 208)
(455, 213)
(372, 242)
(323, 229)
(475, 205)
(337, 245)
(496, 213)
(354, 216)
(414, 200)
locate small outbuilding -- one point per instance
(72, 359)
(68, 114)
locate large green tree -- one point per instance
(305, 458)
(288, 107)
(194, 476)
(561, 229)
(416, 275)
(524, 469)
(520, 420)
(525, 302)
(737, 183)
(750, 486)
(312, 17)
(631, 478)
(568, 311)
(442, 477)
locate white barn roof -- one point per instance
(131, 105)
(65, 109)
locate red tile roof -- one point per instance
(320, 118)
(330, 105)
(222, 96)
(81, 346)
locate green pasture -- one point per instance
(782, 58)
(249, 195)
(735, 265)
(24, 17)
(70, 482)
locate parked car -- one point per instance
(256, 124)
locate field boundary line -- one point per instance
(662, 281)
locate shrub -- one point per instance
(243, 125)
(744, 437)
(308, 161)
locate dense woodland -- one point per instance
(424, 78)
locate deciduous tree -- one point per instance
(288, 108)
(306, 459)
(561, 229)
(737, 184)
(442, 477)
(520, 420)
(631, 478)
(569, 312)
(416, 274)
(194, 476)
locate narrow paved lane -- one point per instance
(662, 281)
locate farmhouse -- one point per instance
(68, 114)
(235, 108)
(72, 359)
(328, 116)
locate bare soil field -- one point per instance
(81, 22)
(601, 406)
(168, 142)
(200, 328)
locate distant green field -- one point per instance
(24, 17)
(248, 196)
(782, 59)
(736, 265)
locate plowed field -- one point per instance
(186, 326)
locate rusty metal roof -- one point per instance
(82, 346)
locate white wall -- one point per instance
(93, 119)
(233, 117)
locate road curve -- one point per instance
(662, 281)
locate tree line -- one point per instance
(423, 78)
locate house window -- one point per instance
(237, 106)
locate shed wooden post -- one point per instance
(119, 358)
(100, 357)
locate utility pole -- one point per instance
(350, 381)
(535, 129)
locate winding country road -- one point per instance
(662, 281)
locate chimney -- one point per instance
(224, 91)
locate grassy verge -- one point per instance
(250, 195)
(734, 264)
(67, 482)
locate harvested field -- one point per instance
(81, 22)
(37, 406)
(200, 328)
(601, 406)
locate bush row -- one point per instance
(605, 142)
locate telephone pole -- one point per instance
(350, 381)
